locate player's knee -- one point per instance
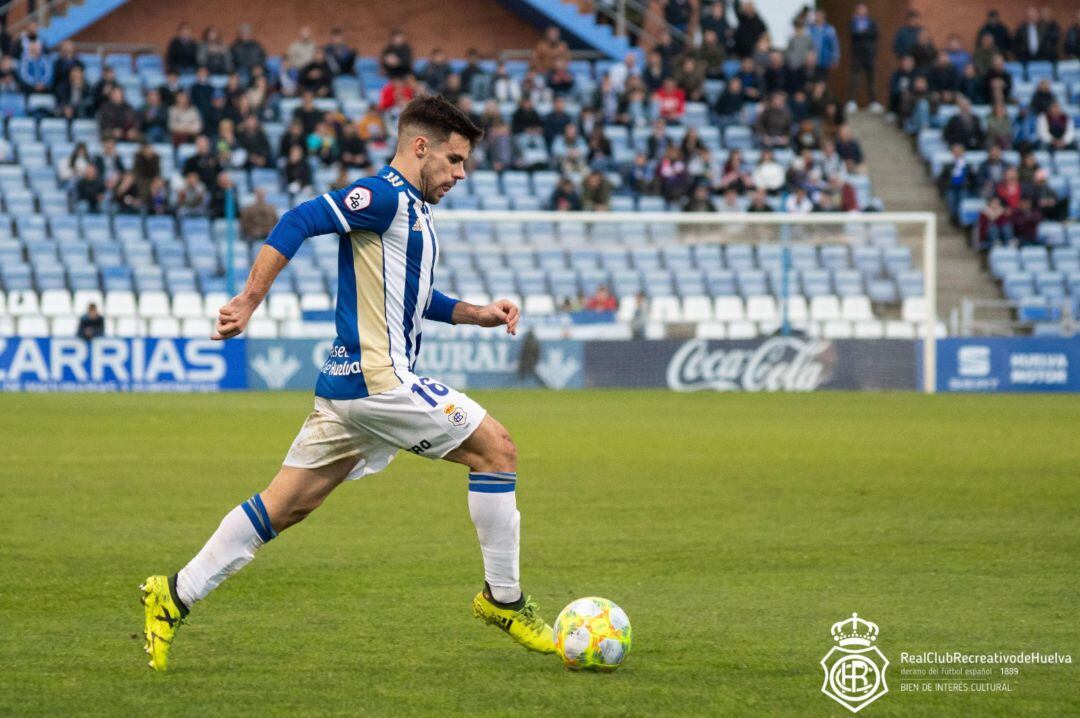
(503, 453)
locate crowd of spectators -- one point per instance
(781, 92)
(929, 78)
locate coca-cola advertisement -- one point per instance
(779, 363)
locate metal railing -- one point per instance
(622, 24)
(969, 319)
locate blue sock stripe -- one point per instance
(265, 516)
(493, 476)
(255, 521)
(501, 487)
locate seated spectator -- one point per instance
(110, 163)
(316, 77)
(991, 172)
(621, 73)
(182, 54)
(838, 196)
(323, 144)
(117, 119)
(699, 200)
(247, 52)
(185, 122)
(830, 162)
(1025, 223)
(192, 198)
(434, 74)
(153, 118)
(900, 84)
(213, 53)
(65, 61)
(958, 56)
(602, 301)
(90, 189)
(559, 79)
(308, 114)
(654, 73)
(806, 137)
(729, 104)
(748, 78)
(565, 198)
(556, 120)
(734, 176)
(219, 195)
(298, 176)
(641, 175)
(499, 146)
(848, 147)
(525, 116)
(1045, 200)
(204, 162)
(1010, 190)
(964, 128)
(993, 227)
(798, 202)
(923, 50)
(145, 168)
(396, 57)
(774, 122)
(596, 190)
(354, 151)
(971, 85)
(230, 154)
(126, 195)
(768, 174)
(997, 81)
(371, 127)
(1042, 98)
(1029, 165)
(550, 49)
(956, 181)
(1055, 129)
(503, 87)
(256, 145)
(710, 55)
(673, 174)
(671, 101)
(72, 167)
(74, 98)
(943, 78)
(258, 218)
(634, 108)
(35, 69)
(759, 202)
(570, 151)
(339, 55)
(775, 77)
(690, 77)
(91, 324)
(999, 127)
(804, 171)
(157, 199)
(301, 50)
(802, 78)
(600, 150)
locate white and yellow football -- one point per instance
(592, 634)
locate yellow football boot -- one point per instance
(163, 618)
(523, 624)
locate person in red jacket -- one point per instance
(672, 101)
(602, 301)
(398, 91)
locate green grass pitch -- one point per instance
(734, 530)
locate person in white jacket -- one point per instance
(1055, 129)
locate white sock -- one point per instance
(233, 545)
(493, 507)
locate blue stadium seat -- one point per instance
(751, 282)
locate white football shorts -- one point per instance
(422, 416)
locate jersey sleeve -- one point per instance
(440, 308)
(369, 204)
(307, 219)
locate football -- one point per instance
(592, 634)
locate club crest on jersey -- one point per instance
(457, 417)
(357, 199)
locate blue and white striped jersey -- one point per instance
(387, 254)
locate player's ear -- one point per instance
(421, 146)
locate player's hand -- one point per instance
(498, 313)
(233, 317)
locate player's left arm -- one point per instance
(448, 310)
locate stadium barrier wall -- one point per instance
(1002, 364)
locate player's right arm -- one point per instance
(365, 205)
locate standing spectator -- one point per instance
(825, 41)
(964, 128)
(301, 50)
(340, 57)
(35, 70)
(185, 122)
(714, 19)
(678, 14)
(213, 53)
(182, 54)
(1055, 129)
(1050, 36)
(994, 227)
(91, 324)
(864, 37)
(994, 28)
(550, 48)
(1028, 40)
(258, 218)
(900, 84)
(907, 36)
(117, 119)
(1072, 39)
(956, 182)
(247, 52)
(396, 57)
(750, 28)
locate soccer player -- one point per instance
(369, 403)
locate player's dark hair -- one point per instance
(439, 118)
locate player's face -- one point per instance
(443, 167)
